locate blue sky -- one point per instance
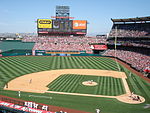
(18, 16)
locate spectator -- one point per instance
(138, 61)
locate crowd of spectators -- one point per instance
(64, 43)
(55, 39)
(127, 33)
(131, 43)
(138, 61)
(137, 44)
(62, 46)
(130, 30)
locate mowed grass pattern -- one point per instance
(12, 67)
(72, 83)
(137, 85)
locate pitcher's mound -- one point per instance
(89, 83)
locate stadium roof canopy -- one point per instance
(137, 19)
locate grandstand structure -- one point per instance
(67, 45)
(132, 39)
(132, 33)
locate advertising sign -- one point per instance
(23, 108)
(99, 47)
(79, 24)
(43, 32)
(44, 23)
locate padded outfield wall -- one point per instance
(16, 48)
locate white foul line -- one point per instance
(40, 96)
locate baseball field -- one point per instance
(82, 83)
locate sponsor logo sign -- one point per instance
(99, 47)
(44, 23)
(43, 32)
(27, 108)
(79, 24)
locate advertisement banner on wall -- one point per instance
(44, 23)
(23, 108)
(79, 24)
(99, 47)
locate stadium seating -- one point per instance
(64, 43)
(130, 30)
(138, 61)
(134, 43)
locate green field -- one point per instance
(12, 67)
(72, 83)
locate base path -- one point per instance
(37, 82)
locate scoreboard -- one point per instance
(55, 27)
(63, 26)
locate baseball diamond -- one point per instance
(80, 64)
(62, 78)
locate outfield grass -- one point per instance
(72, 83)
(12, 67)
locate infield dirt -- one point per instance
(37, 82)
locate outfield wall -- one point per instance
(17, 52)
